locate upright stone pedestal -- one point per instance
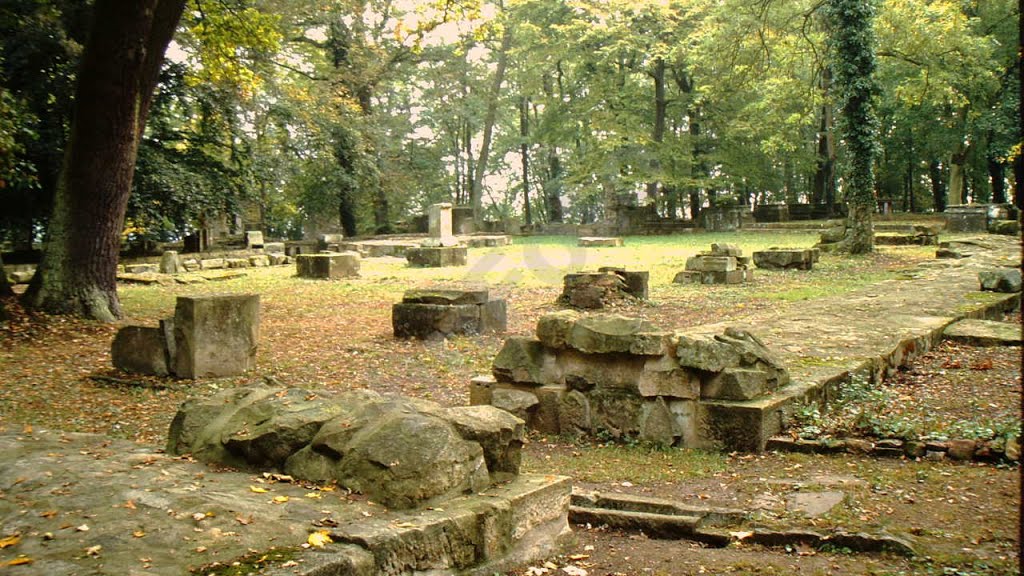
(216, 335)
(604, 287)
(967, 218)
(437, 257)
(170, 263)
(254, 239)
(328, 266)
(140, 349)
(440, 226)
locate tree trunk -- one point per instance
(524, 151)
(658, 132)
(824, 191)
(553, 187)
(5, 287)
(476, 193)
(957, 184)
(938, 186)
(120, 64)
(852, 41)
(997, 178)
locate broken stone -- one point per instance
(814, 504)
(735, 384)
(1001, 280)
(516, 402)
(141, 350)
(662, 376)
(437, 257)
(498, 432)
(961, 449)
(574, 417)
(328, 266)
(606, 333)
(553, 329)
(526, 361)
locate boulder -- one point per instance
(498, 432)
(1000, 280)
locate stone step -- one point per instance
(984, 332)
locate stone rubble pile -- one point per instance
(724, 264)
(603, 288)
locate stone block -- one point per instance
(433, 321)
(594, 289)
(553, 329)
(274, 247)
(236, 262)
(254, 239)
(735, 384)
(216, 335)
(437, 257)
(726, 249)
(574, 418)
(330, 266)
(140, 350)
(525, 361)
(212, 264)
(481, 390)
(278, 259)
(170, 263)
(664, 377)
(544, 417)
(599, 242)
(259, 260)
(439, 226)
(515, 402)
(445, 296)
(141, 268)
(493, 316)
(604, 333)
(330, 242)
(636, 281)
(967, 218)
(785, 259)
(657, 423)
(717, 263)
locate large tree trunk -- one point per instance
(852, 41)
(957, 176)
(524, 151)
(120, 64)
(938, 186)
(658, 132)
(824, 191)
(490, 117)
(997, 178)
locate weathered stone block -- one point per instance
(726, 249)
(515, 402)
(277, 259)
(493, 316)
(657, 423)
(605, 333)
(599, 242)
(636, 280)
(433, 321)
(259, 260)
(525, 361)
(663, 376)
(141, 350)
(274, 247)
(170, 263)
(967, 218)
(329, 266)
(1001, 280)
(717, 263)
(254, 239)
(785, 259)
(437, 257)
(141, 268)
(446, 296)
(735, 384)
(553, 329)
(574, 414)
(481, 390)
(216, 335)
(212, 264)
(236, 262)
(499, 433)
(544, 417)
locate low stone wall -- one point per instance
(786, 258)
(622, 377)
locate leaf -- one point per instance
(19, 561)
(82, 528)
(93, 550)
(9, 541)
(319, 538)
(138, 534)
(257, 489)
(243, 520)
(280, 499)
(742, 535)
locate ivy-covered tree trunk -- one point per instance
(852, 41)
(117, 75)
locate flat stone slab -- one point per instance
(813, 504)
(984, 333)
(87, 504)
(599, 242)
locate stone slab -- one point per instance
(984, 333)
(328, 266)
(599, 242)
(141, 350)
(115, 507)
(437, 257)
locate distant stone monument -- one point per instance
(441, 248)
(170, 263)
(254, 239)
(209, 336)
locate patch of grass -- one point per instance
(600, 463)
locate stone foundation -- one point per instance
(622, 377)
(599, 242)
(437, 257)
(439, 313)
(328, 265)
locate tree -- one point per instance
(853, 47)
(118, 72)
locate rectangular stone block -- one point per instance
(253, 239)
(434, 321)
(329, 266)
(141, 268)
(599, 242)
(481, 390)
(445, 296)
(140, 350)
(664, 377)
(437, 257)
(212, 264)
(273, 247)
(493, 316)
(735, 384)
(718, 263)
(544, 418)
(439, 225)
(216, 335)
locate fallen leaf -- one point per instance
(578, 556)
(290, 564)
(742, 535)
(314, 495)
(257, 489)
(280, 499)
(9, 541)
(244, 520)
(199, 516)
(93, 550)
(82, 528)
(48, 514)
(27, 429)
(19, 561)
(319, 538)
(130, 505)
(574, 570)
(138, 534)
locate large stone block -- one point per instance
(605, 333)
(328, 266)
(662, 376)
(525, 361)
(785, 259)
(254, 239)
(599, 242)
(736, 384)
(433, 321)
(1002, 280)
(141, 350)
(437, 257)
(170, 263)
(216, 335)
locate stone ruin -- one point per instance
(603, 288)
(1007, 280)
(994, 218)
(436, 313)
(622, 377)
(328, 265)
(440, 249)
(724, 264)
(786, 258)
(208, 336)
(401, 452)
(599, 242)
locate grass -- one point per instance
(615, 463)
